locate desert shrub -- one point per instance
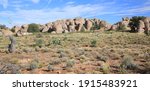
(9, 68)
(105, 68)
(95, 27)
(33, 28)
(147, 32)
(50, 67)
(102, 58)
(147, 57)
(55, 62)
(127, 63)
(55, 41)
(134, 22)
(39, 43)
(70, 64)
(39, 35)
(93, 43)
(147, 67)
(34, 64)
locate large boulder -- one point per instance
(114, 27)
(70, 25)
(24, 28)
(15, 29)
(141, 26)
(79, 22)
(23, 31)
(57, 27)
(88, 24)
(104, 25)
(47, 27)
(147, 23)
(122, 25)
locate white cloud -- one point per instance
(47, 15)
(35, 1)
(4, 3)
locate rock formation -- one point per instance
(12, 45)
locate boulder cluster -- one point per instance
(75, 25)
(144, 25)
(80, 24)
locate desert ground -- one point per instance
(108, 52)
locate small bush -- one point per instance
(127, 63)
(93, 43)
(34, 64)
(55, 62)
(105, 68)
(147, 57)
(55, 41)
(50, 67)
(40, 43)
(70, 64)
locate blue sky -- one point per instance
(17, 12)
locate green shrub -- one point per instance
(33, 28)
(55, 41)
(93, 43)
(39, 43)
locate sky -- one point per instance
(18, 12)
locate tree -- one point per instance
(3, 27)
(134, 22)
(33, 28)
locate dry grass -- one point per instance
(89, 50)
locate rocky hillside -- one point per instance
(135, 24)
